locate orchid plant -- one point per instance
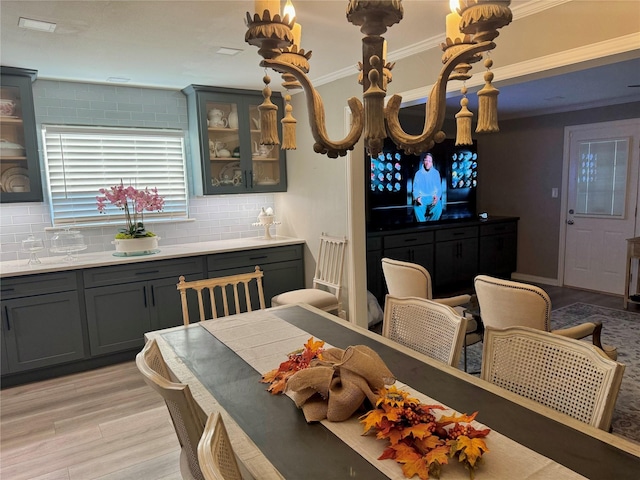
(134, 203)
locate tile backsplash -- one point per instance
(71, 103)
(220, 217)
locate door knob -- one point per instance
(570, 222)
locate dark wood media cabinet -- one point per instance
(452, 253)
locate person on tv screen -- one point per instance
(427, 191)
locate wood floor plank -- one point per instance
(163, 467)
(22, 449)
(62, 474)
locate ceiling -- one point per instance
(172, 44)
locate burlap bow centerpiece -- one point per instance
(335, 386)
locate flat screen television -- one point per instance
(409, 190)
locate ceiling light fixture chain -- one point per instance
(471, 29)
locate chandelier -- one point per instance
(470, 30)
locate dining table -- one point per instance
(222, 360)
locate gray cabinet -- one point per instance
(224, 130)
(453, 254)
(41, 322)
(59, 323)
(19, 161)
(456, 261)
(283, 268)
(125, 301)
(498, 249)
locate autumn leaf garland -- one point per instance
(420, 442)
(297, 360)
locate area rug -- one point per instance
(620, 329)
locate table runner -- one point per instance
(263, 340)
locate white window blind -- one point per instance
(81, 160)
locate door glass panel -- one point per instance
(224, 144)
(13, 160)
(266, 158)
(601, 178)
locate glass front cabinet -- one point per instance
(19, 163)
(224, 131)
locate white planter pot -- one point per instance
(136, 246)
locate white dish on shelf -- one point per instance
(15, 178)
(228, 170)
(10, 149)
(267, 182)
(18, 183)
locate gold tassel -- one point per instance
(463, 121)
(268, 117)
(488, 104)
(288, 126)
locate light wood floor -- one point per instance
(104, 424)
(108, 424)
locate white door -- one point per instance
(602, 193)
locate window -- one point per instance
(81, 160)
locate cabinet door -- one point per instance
(282, 277)
(456, 263)
(19, 163)
(498, 255)
(420, 254)
(117, 317)
(225, 127)
(41, 331)
(165, 304)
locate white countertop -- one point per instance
(88, 260)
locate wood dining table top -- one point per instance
(223, 368)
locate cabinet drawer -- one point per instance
(16, 287)
(251, 258)
(498, 228)
(456, 234)
(408, 239)
(101, 276)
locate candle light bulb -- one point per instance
(289, 10)
(453, 22)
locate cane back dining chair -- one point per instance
(505, 303)
(187, 417)
(406, 279)
(562, 373)
(425, 326)
(327, 279)
(215, 452)
(219, 290)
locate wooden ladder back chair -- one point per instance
(328, 274)
(425, 326)
(187, 417)
(505, 303)
(562, 373)
(226, 286)
(215, 452)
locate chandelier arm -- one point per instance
(435, 109)
(316, 113)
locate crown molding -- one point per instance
(620, 45)
(520, 11)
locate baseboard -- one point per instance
(534, 279)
